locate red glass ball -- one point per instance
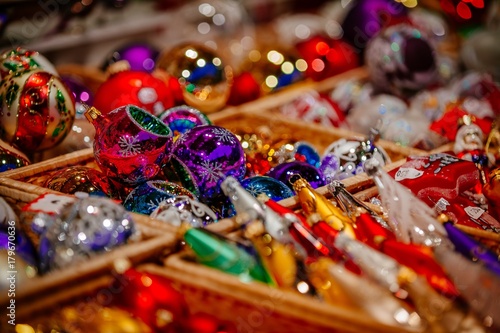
(245, 89)
(326, 57)
(136, 88)
(152, 298)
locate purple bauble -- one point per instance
(141, 56)
(365, 18)
(401, 60)
(9, 235)
(284, 171)
(202, 156)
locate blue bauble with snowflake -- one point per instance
(273, 188)
(145, 198)
(202, 157)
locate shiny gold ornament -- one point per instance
(275, 67)
(84, 318)
(205, 81)
(313, 202)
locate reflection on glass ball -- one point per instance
(204, 79)
(275, 67)
(222, 25)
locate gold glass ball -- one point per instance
(204, 79)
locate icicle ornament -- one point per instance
(411, 220)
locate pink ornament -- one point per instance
(130, 145)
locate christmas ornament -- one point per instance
(366, 18)
(82, 132)
(204, 323)
(81, 179)
(401, 60)
(148, 196)
(437, 176)
(83, 229)
(301, 151)
(214, 252)
(410, 219)
(282, 261)
(19, 60)
(469, 247)
(466, 275)
(260, 150)
(313, 246)
(480, 86)
(131, 145)
(346, 157)
(433, 103)
(491, 191)
(133, 87)
(365, 116)
(222, 25)
(326, 57)
(183, 209)
(358, 292)
(350, 93)
(249, 209)
(314, 108)
(370, 231)
(17, 245)
(469, 146)
(202, 156)
(182, 118)
(245, 89)
(91, 315)
(273, 188)
(314, 203)
(204, 79)
(275, 67)
(11, 158)
(37, 110)
(140, 56)
(407, 130)
(152, 298)
(283, 172)
(448, 125)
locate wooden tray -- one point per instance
(251, 307)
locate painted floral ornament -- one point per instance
(20, 60)
(83, 229)
(11, 158)
(131, 145)
(81, 179)
(37, 110)
(201, 158)
(346, 157)
(183, 209)
(401, 60)
(146, 197)
(182, 118)
(204, 78)
(124, 87)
